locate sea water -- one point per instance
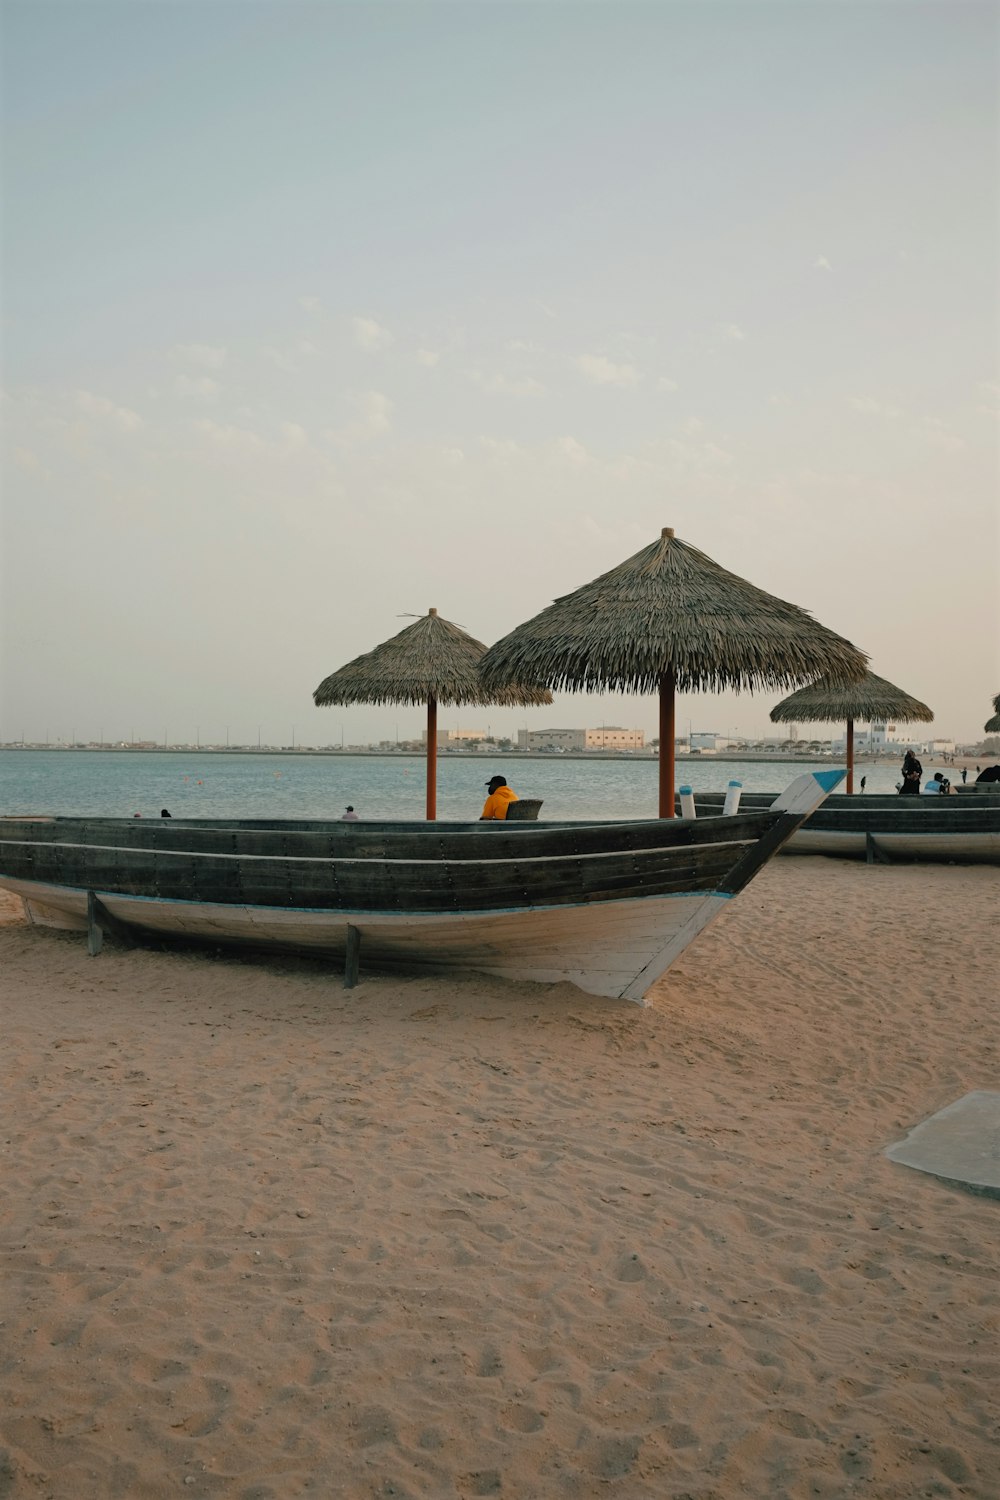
(294, 784)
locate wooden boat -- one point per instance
(606, 905)
(956, 830)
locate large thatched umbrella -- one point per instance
(992, 726)
(432, 661)
(670, 619)
(826, 702)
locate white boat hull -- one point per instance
(955, 848)
(613, 948)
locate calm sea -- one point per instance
(107, 783)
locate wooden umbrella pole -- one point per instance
(432, 758)
(667, 744)
(850, 756)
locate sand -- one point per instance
(267, 1238)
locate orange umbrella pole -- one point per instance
(667, 744)
(432, 758)
(850, 756)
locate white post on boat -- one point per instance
(687, 803)
(732, 803)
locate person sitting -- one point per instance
(349, 815)
(164, 812)
(938, 783)
(992, 773)
(497, 802)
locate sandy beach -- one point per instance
(265, 1238)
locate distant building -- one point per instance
(551, 739)
(446, 737)
(608, 737)
(611, 737)
(890, 736)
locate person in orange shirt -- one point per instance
(499, 799)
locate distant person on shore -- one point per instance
(499, 798)
(938, 784)
(863, 780)
(912, 772)
(965, 774)
(349, 815)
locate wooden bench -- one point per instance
(523, 811)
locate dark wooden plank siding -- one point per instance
(373, 885)
(418, 841)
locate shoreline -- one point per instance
(724, 757)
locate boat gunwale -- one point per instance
(380, 859)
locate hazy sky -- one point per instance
(317, 315)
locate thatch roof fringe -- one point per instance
(432, 658)
(826, 702)
(670, 607)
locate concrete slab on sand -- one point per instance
(960, 1144)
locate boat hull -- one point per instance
(882, 844)
(606, 906)
(946, 830)
(600, 947)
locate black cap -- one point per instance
(494, 782)
(349, 807)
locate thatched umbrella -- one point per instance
(826, 702)
(432, 661)
(992, 726)
(670, 619)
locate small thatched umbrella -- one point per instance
(670, 619)
(826, 702)
(432, 661)
(992, 726)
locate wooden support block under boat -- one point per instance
(100, 921)
(352, 957)
(95, 932)
(874, 853)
